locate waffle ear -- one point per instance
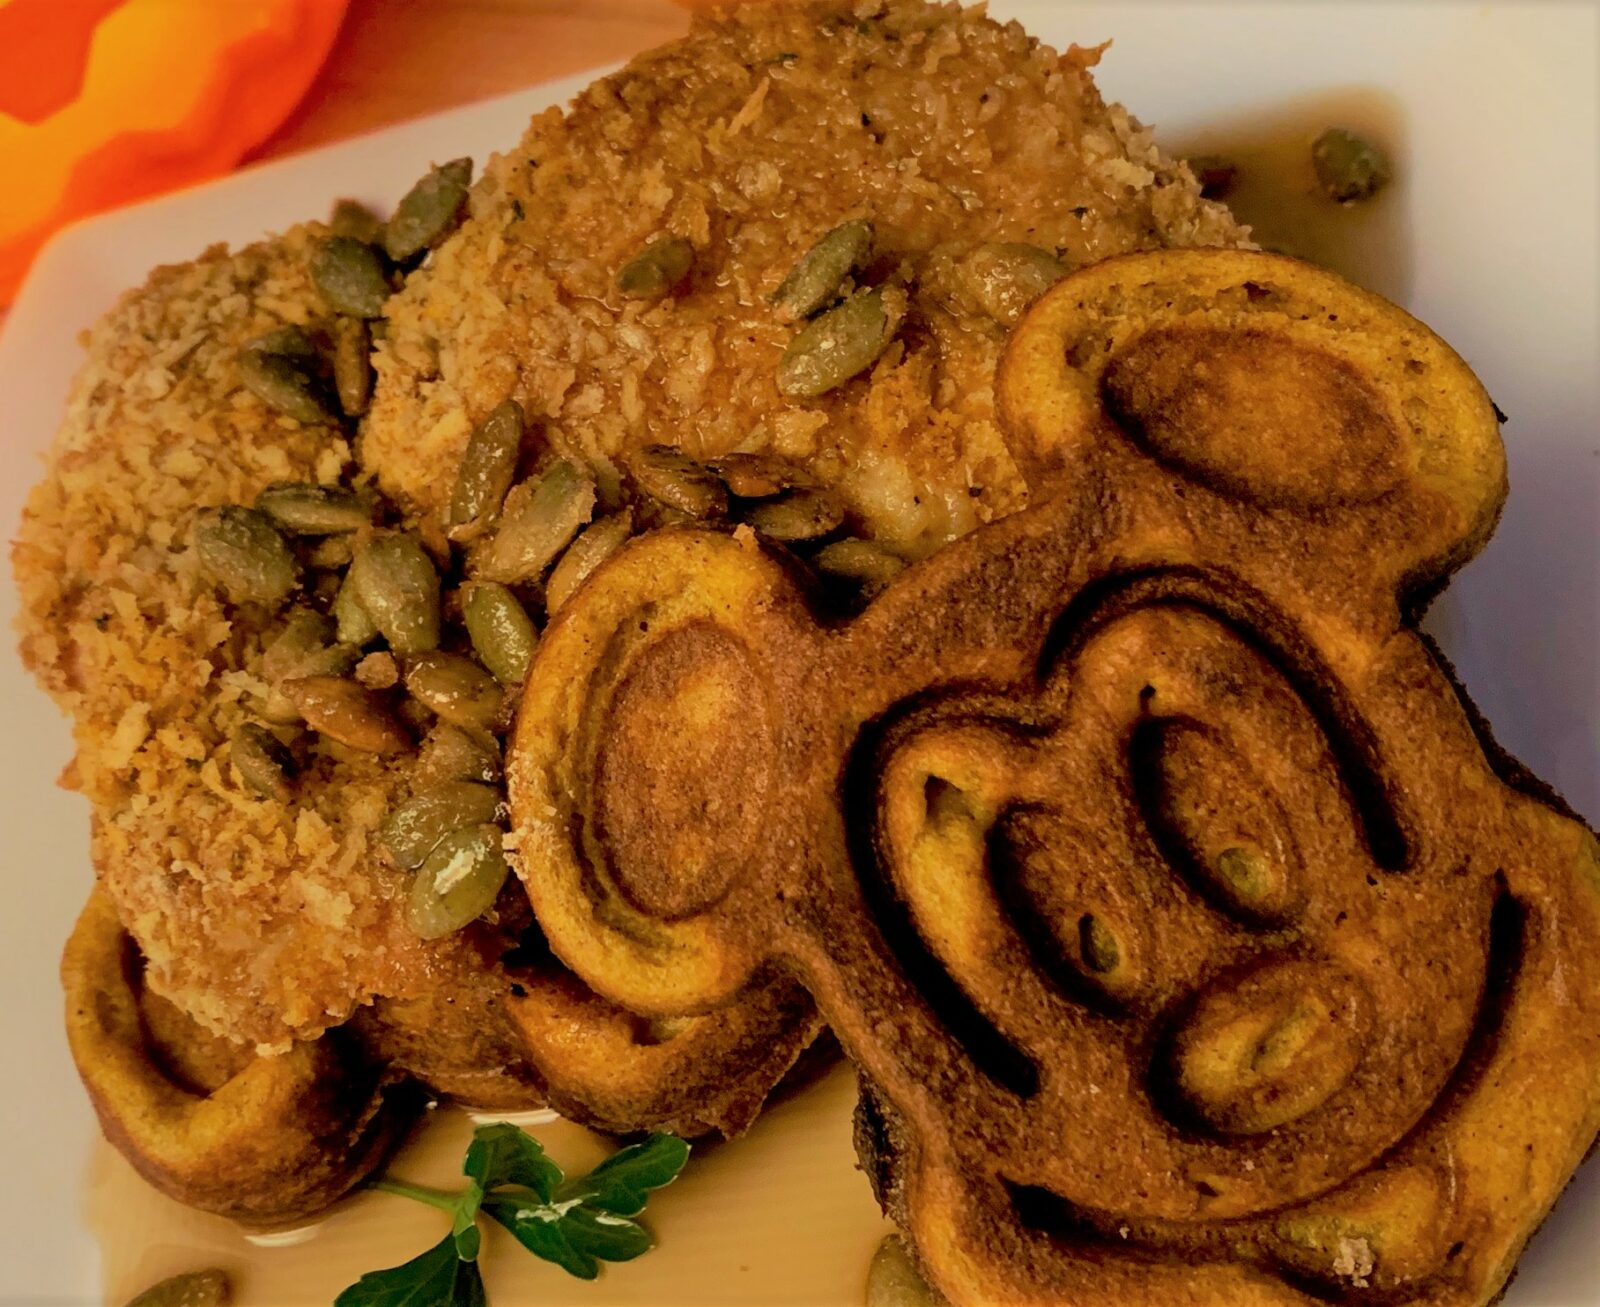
(651, 742)
(1267, 382)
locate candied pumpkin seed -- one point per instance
(346, 711)
(488, 466)
(455, 687)
(453, 753)
(353, 622)
(351, 277)
(290, 340)
(190, 1289)
(1006, 279)
(263, 761)
(501, 631)
(244, 553)
(458, 882)
(817, 279)
(657, 270)
(758, 476)
(1098, 945)
(677, 480)
(597, 543)
(797, 515)
(303, 509)
(287, 383)
(870, 566)
(352, 365)
(838, 345)
(538, 521)
(396, 582)
(412, 829)
(1349, 168)
(430, 211)
(353, 219)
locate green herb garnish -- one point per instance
(577, 1223)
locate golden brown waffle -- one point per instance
(1196, 944)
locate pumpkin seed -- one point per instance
(870, 566)
(346, 711)
(677, 481)
(538, 522)
(455, 687)
(757, 476)
(587, 552)
(397, 584)
(353, 219)
(1349, 168)
(453, 753)
(1006, 279)
(354, 623)
(836, 346)
(303, 509)
(430, 211)
(263, 761)
(816, 280)
(242, 551)
(352, 365)
(284, 378)
(351, 276)
(502, 633)
(289, 340)
(191, 1289)
(488, 466)
(412, 830)
(458, 883)
(657, 270)
(797, 515)
(1097, 943)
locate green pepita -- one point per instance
(1006, 279)
(817, 279)
(868, 566)
(352, 364)
(303, 509)
(458, 883)
(597, 543)
(353, 219)
(836, 346)
(346, 711)
(191, 1289)
(351, 277)
(455, 687)
(413, 829)
(1348, 167)
(243, 552)
(430, 211)
(677, 481)
(396, 582)
(797, 515)
(264, 762)
(353, 622)
(453, 753)
(1098, 945)
(538, 522)
(286, 384)
(657, 270)
(488, 466)
(501, 631)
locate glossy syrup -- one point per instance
(1275, 189)
(780, 1216)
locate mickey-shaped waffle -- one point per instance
(1193, 940)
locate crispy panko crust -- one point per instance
(761, 131)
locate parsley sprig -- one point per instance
(576, 1223)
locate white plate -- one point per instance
(1503, 202)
